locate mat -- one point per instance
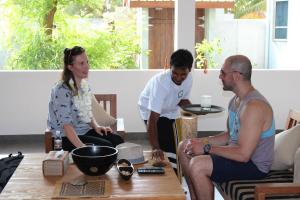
(92, 188)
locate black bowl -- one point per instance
(125, 168)
(94, 160)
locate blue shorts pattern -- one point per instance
(227, 170)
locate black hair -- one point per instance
(182, 58)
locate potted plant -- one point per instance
(206, 52)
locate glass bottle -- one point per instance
(57, 141)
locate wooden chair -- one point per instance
(109, 103)
(277, 182)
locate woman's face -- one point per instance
(80, 66)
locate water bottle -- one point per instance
(57, 141)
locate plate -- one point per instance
(198, 110)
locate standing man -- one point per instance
(245, 150)
(160, 100)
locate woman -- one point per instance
(70, 106)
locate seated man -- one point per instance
(245, 150)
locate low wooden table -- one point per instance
(28, 182)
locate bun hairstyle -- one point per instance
(67, 75)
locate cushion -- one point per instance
(286, 145)
(100, 115)
(297, 166)
(244, 189)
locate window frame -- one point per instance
(279, 27)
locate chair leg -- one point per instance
(177, 138)
(48, 142)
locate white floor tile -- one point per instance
(218, 196)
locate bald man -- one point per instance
(245, 150)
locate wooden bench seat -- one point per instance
(244, 190)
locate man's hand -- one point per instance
(194, 147)
(103, 130)
(157, 155)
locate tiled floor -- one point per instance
(35, 143)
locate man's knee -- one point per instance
(200, 165)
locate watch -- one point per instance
(206, 148)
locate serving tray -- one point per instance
(198, 110)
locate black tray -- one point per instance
(198, 110)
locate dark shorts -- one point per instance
(227, 170)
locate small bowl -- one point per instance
(125, 168)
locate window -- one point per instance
(33, 34)
(281, 20)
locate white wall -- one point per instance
(24, 96)
(184, 25)
(285, 53)
(238, 36)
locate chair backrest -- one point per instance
(108, 102)
(293, 119)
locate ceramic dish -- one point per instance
(125, 169)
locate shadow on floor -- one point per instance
(35, 143)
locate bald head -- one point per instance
(240, 64)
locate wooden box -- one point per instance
(56, 163)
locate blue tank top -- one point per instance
(264, 152)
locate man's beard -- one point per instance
(227, 87)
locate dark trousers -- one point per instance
(166, 138)
(92, 137)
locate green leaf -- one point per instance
(206, 52)
(29, 47)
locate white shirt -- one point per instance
(162, 95)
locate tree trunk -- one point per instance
(205, 66)
(49, 18)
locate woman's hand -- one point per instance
(103, 130)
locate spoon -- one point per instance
(78, 182)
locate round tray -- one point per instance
(198, 110)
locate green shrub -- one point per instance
(33, 46)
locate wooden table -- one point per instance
(28, 182)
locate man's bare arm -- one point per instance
(184, 102)
(152, 129)
(153, 135)
(255, 118)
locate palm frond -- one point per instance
(245, 7)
